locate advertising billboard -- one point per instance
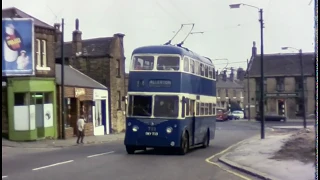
(17, 47)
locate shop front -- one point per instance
(100, 112)
(31, 108)
(79, 101)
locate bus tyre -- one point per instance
(130, 149)
(184, 147)
(206, 140)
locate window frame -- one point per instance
(41, 55)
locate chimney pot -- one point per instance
(77, 24)
(254, 49)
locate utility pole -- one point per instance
(248, 89)
(302, 93)
(62, 81)
(262, 80)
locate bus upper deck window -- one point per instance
(143, 62)
(191, 66)
(206, 72)
(210, 72)
(186, 64)
(168, 63)
(201, 69)
(213, 73)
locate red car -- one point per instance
(222, 115)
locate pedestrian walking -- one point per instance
(80, 125)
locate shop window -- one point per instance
(86, 110)
(48, 98)
(20, 99)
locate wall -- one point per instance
(48, 35)
(31, 84)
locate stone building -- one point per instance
(229, 88)
(282, 84)
(25, 97)
(103, 60)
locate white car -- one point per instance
(238, 114)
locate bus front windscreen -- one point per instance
(140, 105)
(166, 106)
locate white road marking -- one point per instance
(56, 164)
(4, 177)
(100, 154)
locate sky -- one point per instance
(227, 35)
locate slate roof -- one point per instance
(228, 84)
(283, 65)
(90, 47)
(13, 12)
(75, 78)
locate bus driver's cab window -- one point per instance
(168, 63)
(143, 62)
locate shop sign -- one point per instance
(79, 92)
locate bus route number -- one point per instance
(151, 133)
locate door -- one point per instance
(38, 100)
(104, 114)
(193, 115)
(281, 109)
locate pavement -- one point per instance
(59, 143)
(254, 156)
(105, 157)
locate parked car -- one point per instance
(237, 114)
(272, 117)
(222, 115)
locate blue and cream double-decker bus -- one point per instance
(171, 99)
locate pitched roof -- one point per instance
(228, 84)
(13, 12)
(73, 77)
(90, 47)
(283, 64)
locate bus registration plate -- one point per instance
(151, 133)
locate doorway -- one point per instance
(103, 115)
(281, 107)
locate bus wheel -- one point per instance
(184, 147)
(206, 140)
(130, 149)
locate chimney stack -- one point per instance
(58, 33)
(232, 74)
(254, 49)
(224, 75)
(240, 74)
(76, 39)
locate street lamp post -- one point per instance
(62, 82)
(302, 88)
(262, 117)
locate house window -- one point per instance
(234, 93)
(41, 54)
(258, 80)
(227, 93)
(299, 83)
(118, 68)
(280, 84)
(119, 100)
(186, 64)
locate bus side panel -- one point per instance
(197, 85)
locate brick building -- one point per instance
(282, 84)
(103, 60)
(229, 88)
(25, 97)
(79, 94)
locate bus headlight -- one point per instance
(135, 128)
(169, 130)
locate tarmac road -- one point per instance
(110, 161)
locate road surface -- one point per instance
(110, 161)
